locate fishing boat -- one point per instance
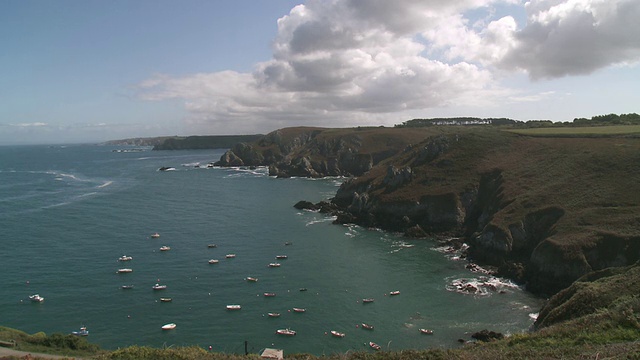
(269, 294)
(366, 301)
(124, 271)
(299, 310)
(165, 248)
(252, 279)
(281, 256)
(274, 265)
(213, 261)
(125, 258)
(159, 287)
(287, 332)
(337, 334)
(166, 299)
(155, 236)
(169, 326)
(82, 332)
(230, 256)
(394, 293)
(126, 287)
(374, 346)
(273, 314)
(426, 331)
(234, 307)
(367, 326)
(36, 298)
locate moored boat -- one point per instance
(368, 300)
(82, 332)
(397, 292)
(166, 299)
(126, 287)
(125, 258)
(124, 271)
(299, 310)
(230, 256)
(374, 346)
(269, 294)
(165, 248)
(169, 326)
(252, 279)
(36, 298)
(273, 314)
(159, 287)
(274, 265)
(337, 334)
(367, 326)
(426, 331)
(234, 307)
(213, 261)
(210, 246)
(281, 256)
(287, 332)
(155, 236)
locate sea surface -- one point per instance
(67, 213)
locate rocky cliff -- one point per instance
(542, 211)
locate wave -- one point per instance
(481, 286)
(107, 183)
(322, 220)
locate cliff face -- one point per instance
(318, 152)
(541, 211)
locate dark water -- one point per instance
(68, 213)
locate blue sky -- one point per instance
(89, 71)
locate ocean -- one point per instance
(68, 213)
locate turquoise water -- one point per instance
(67, 213)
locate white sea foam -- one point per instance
(482, 285)
(105, 184)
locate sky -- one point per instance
(86, 71)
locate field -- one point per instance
(590, 131)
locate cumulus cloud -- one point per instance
(339, 61)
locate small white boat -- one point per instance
(166, 299)
(299, 310)
(125, 258)
(165, 248)
(155, 236)
(397, 292)
(213, 261)
(269, 294)
(159, 287)
(374, 346)
(367, 326)
(426, 331)
(230, 256)
(234, 307)
(366, 301)
(127, 287)
(273, 314)
(337, 334)
(287, 332)
(252, 279)
(36, 298)
(274, 265)
(281, 256)
(169, 326)
(124, 271)
(82, 332)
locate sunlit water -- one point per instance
(68, 213)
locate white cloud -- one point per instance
(340, 61)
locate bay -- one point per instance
(67, 213)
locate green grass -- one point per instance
(590, 131)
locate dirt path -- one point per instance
(6, 353)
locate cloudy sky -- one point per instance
(89, 70)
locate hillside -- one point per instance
(542, 210)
